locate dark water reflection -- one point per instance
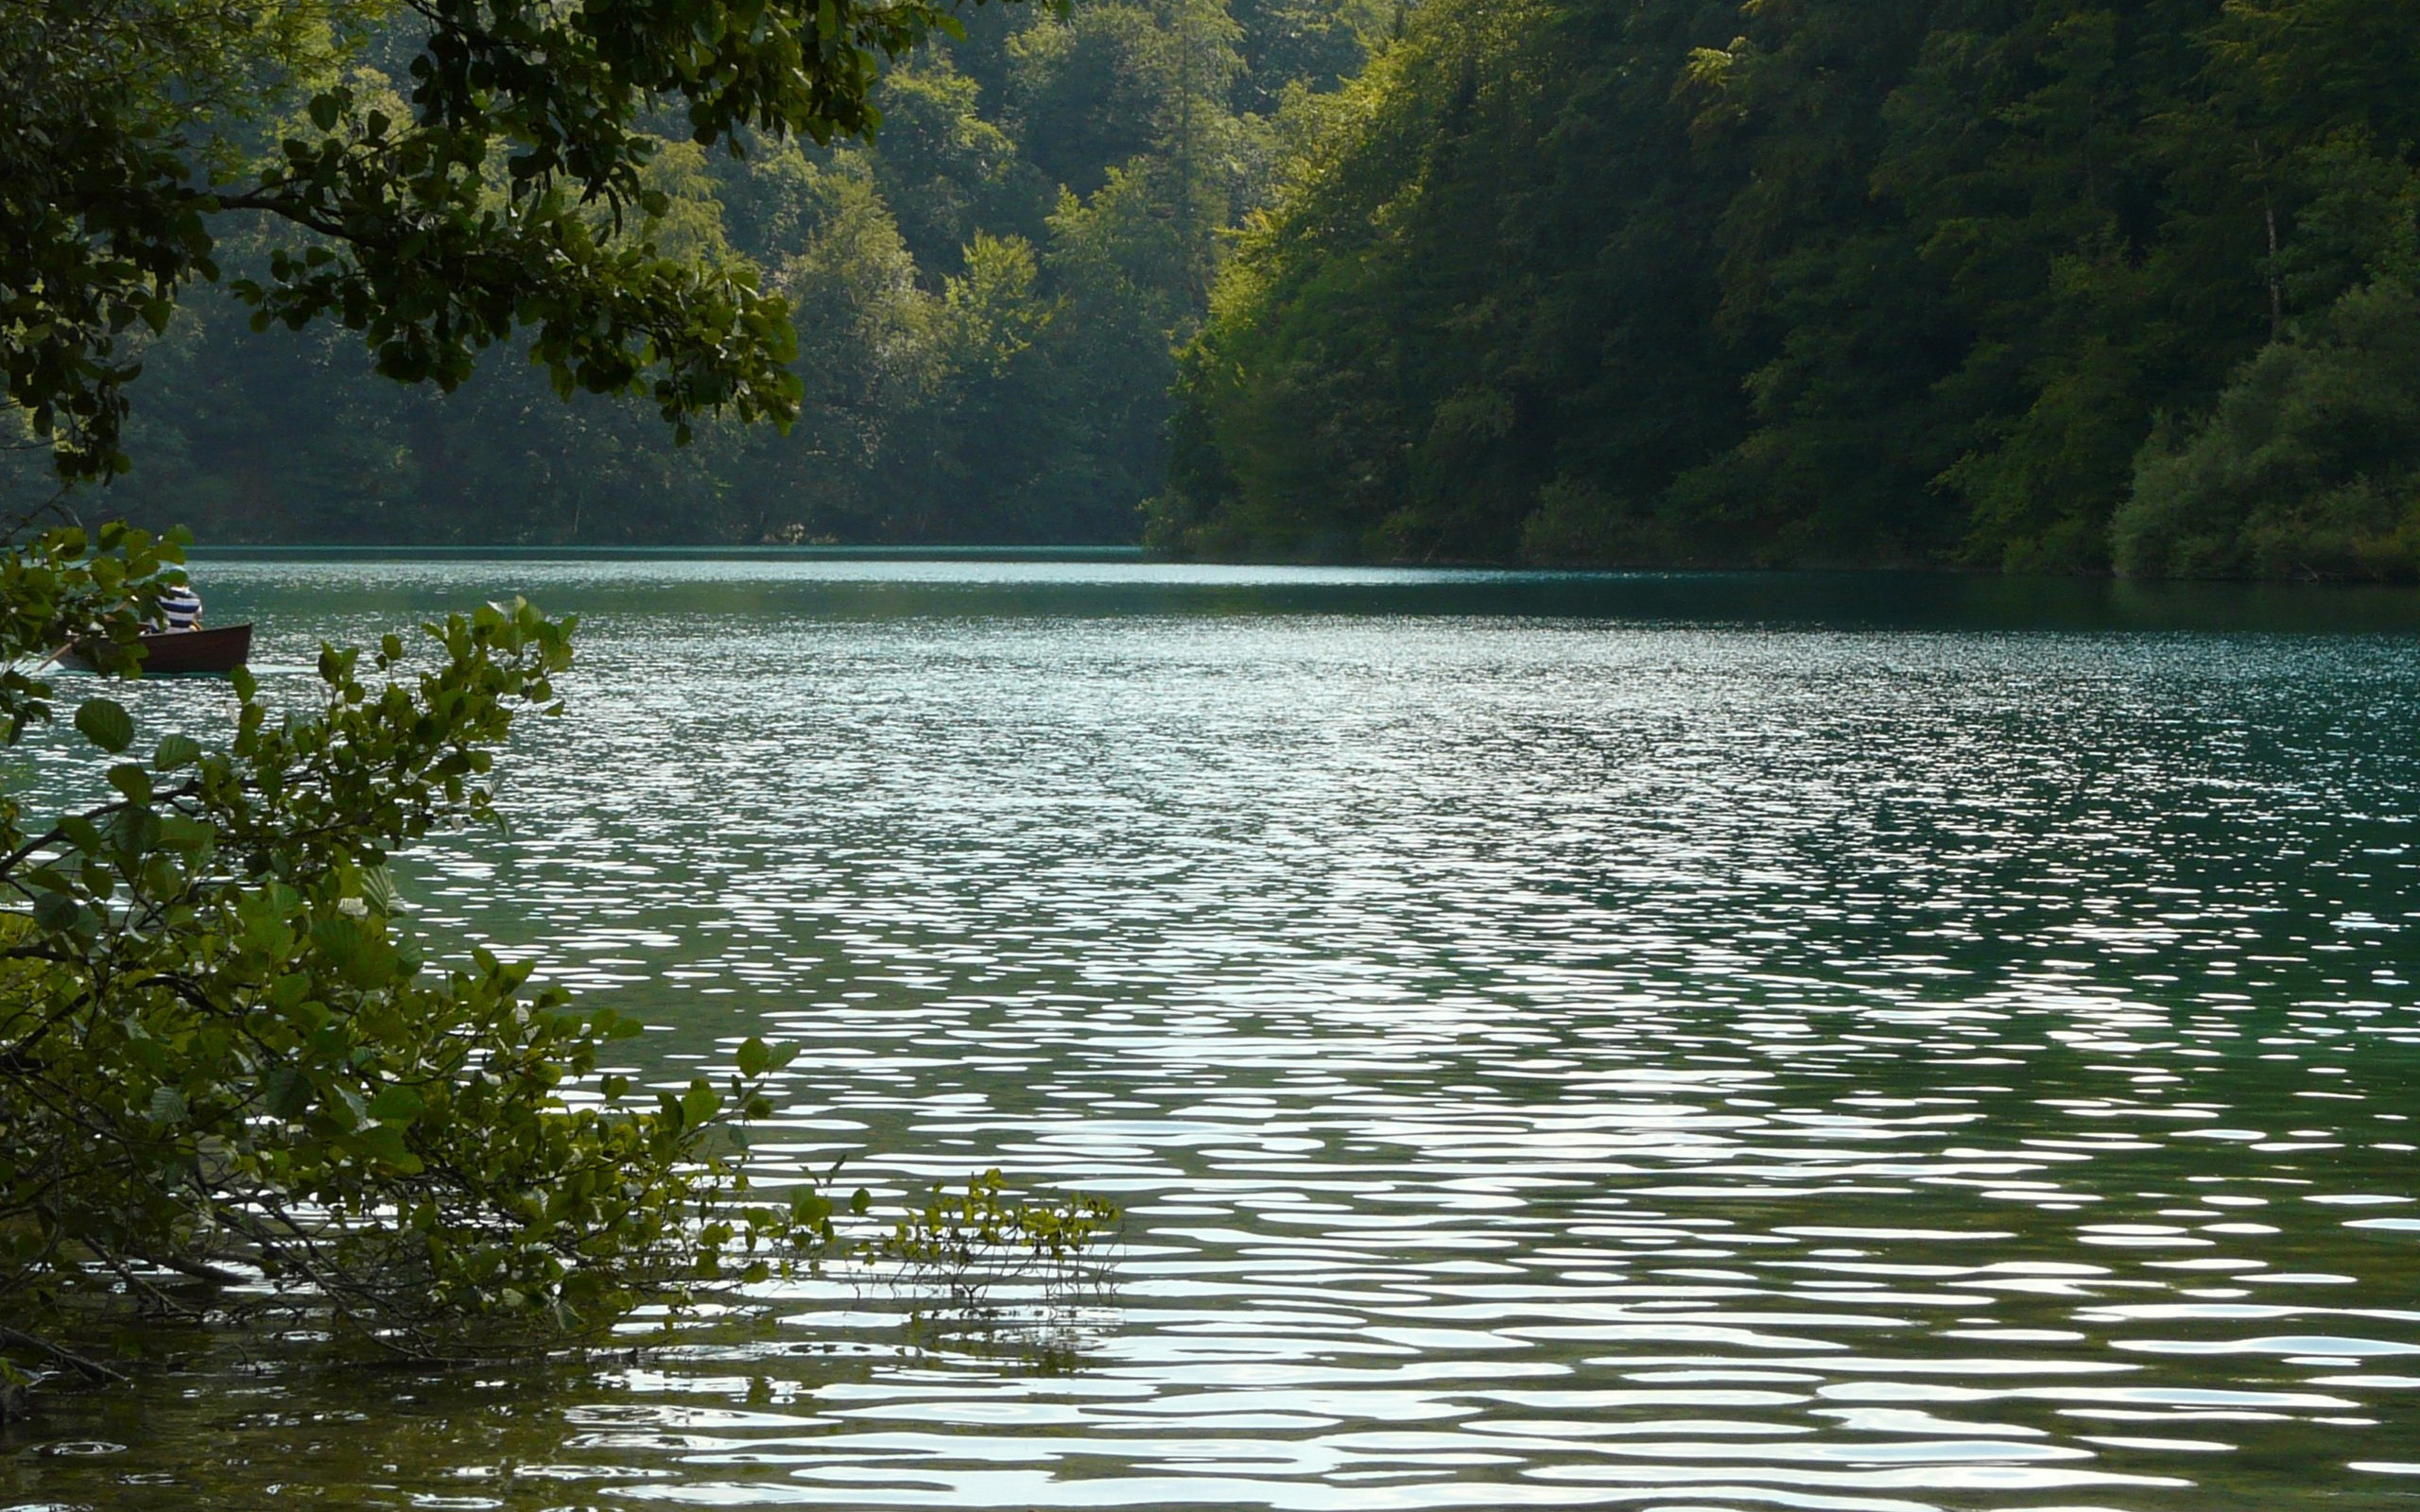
(1682, 1042)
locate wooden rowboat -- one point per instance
(182, 651)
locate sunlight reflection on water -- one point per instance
(1550, 1057)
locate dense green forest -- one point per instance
(988, 299)
(2036, 284)
(2067, 285)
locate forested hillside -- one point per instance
(987, 300)
(2042, 284)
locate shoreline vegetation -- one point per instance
(2010, 285)
(984, 297)
(2034, 286)
(235, 1089)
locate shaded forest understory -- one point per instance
(2024, 284)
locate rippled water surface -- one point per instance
(1857, 1043)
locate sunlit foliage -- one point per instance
(1641, 281)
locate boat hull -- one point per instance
(223, 649)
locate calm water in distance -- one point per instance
(1685, 1041)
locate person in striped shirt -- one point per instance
(181, 608)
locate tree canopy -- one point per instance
(983, 299)
(484, 188)
(2036, 284)
(1941, 281)
(229, 1082)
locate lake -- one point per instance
(1671, 1041)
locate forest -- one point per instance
(2030, 285)
(2040, 286)
(988, 298)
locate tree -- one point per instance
(221, 1059)
(291, 436)
(2311, 466)
(495, 197)
(1828, 280)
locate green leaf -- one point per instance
(265, 932)
(358, 949)
(57, 913)
(81, 833)
(386, 1142)
(397, 1104)
(185, 836)
(288, 1092)
(175, 750)
(378, 889)
(753, 1058)
(106, 724)
(167, 1106)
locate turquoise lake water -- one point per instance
(1677, 1042)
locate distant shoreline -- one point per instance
(1141, 556)
(339, 552)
